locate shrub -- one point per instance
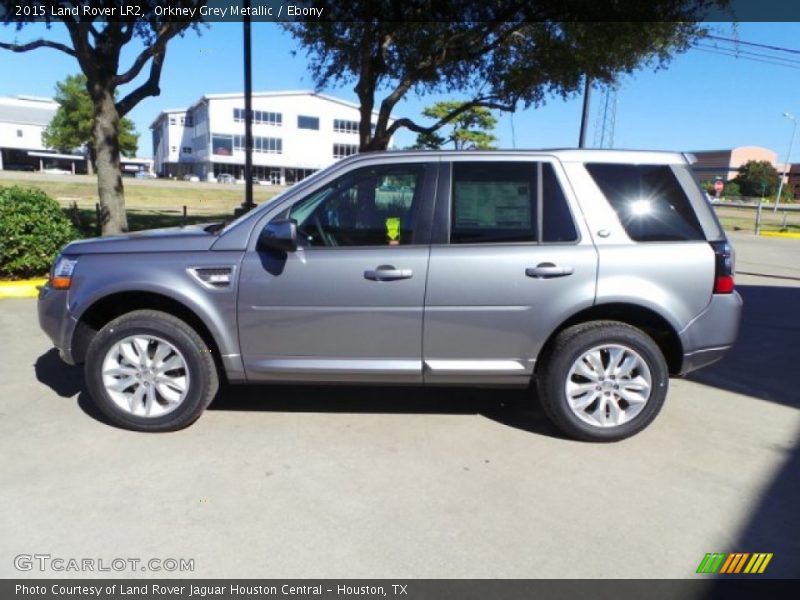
(33, 228)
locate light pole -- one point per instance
(788, 154)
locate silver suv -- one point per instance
(593, 274)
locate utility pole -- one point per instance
(585, 117)
(248, 203)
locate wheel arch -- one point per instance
(655, 325)
(109, 307)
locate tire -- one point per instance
(156, 352)
(579, 395)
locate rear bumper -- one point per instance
(710, 335)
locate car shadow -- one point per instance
(762, 364)
(517, 408)
(763, 361)
(66, 381)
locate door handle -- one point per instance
(387, 273)
(547, 270)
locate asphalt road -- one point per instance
(373, 482)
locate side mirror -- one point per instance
(280, 235)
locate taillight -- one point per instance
(723, 267)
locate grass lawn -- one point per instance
(744, 219)
(150, 203)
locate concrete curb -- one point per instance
(20, 289)
(781, 234)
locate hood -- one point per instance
(173, 239)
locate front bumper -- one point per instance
(710, 335)
(56, 321)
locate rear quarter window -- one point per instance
(649, 201)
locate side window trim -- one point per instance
(539, 202)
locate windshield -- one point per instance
(261, 207)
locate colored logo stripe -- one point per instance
(711, 563)
(758, 563)
(734, 562)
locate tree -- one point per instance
(470, 130)
(731, 190)
(502, 53)
(758, 178)
(71, 126)
(97, 44)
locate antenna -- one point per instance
(606, 118)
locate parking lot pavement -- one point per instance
(375, 482)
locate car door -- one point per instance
(510, 260)
(348, 304)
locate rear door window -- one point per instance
(499, 202)
(649, 201)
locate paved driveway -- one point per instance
(374, 482)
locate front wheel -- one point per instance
(149, 371)
(602, 381)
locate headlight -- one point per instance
(61, 277)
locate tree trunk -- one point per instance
(365, 114)
(109, 176)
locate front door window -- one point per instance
(368, 207)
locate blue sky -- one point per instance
(701, 101)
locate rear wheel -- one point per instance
(602, 381)
(149, 371)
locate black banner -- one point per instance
(431, 589)
(211, 11)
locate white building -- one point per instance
(23, 119)
(294, 134)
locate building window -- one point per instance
(187, 150)
(172, 120)
(343, 126)
(222, 145)
(304, 122)
(260, 117)
(19, 132)
(268, 145)
(344, 150)
(173, 149)
(264, 145)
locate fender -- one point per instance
(166, 275)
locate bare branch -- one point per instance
(148, 88)
(477, 102)
(164, 35)
(37, 44)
